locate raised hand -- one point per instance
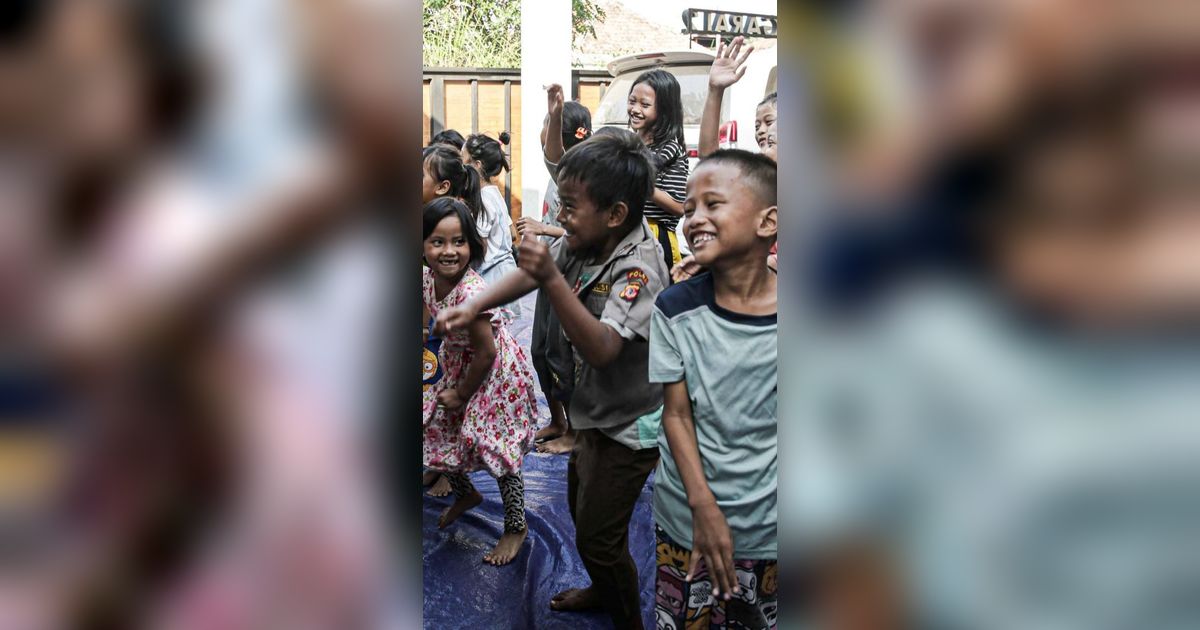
(685, 269)
(554, 99)
(530, 225)
(730, 63)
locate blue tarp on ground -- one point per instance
(461, 591)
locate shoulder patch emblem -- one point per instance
(630, 292)
(636, 276)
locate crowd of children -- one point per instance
(640, 374)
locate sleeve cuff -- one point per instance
(665, 377)
(625, 333)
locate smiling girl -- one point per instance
(480, 415)
(656, 115)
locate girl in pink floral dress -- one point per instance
(481, 414)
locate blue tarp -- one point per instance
(461, 591)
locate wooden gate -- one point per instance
(488, 100)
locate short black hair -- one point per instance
(614, 167)
(759, 170)
(449, 137)
(771, 99)
(443, 207)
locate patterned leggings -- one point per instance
(512, 492)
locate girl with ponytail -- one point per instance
(486, 156)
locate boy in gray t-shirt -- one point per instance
(713, 347)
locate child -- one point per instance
(570, 123)
(449, 137)
(480, 414)
(713, 346)
(494, 222)
(601, 280)
(656, 115)
(726, 70)
(445, 175)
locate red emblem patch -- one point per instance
(636, 276)
(630, 292)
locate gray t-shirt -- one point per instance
(1021, 477)
(728, 361)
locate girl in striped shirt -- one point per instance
(656, 114)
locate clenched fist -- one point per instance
(534, 257)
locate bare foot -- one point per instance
(574, 599)
(549, 433)
(564, 444)
(459, 507)
(441, 488)
(429, 477)
(506, 549)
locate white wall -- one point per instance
(545, 59)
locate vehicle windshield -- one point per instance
(693, 87)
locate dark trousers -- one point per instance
(604, 481)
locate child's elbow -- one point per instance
(487, 356)
(604, 356)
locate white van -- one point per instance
(690, 68)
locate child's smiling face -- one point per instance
(446, 250)
(764, 120)
(587, 226)
(722, 214)
(642, 108)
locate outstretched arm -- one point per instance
(727, 69)
(510, 287)
(554, 106)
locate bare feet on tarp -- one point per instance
(506, 549)
(550, 432)
(441, 488)
(459, 507)
(564, 444)
(574, 599)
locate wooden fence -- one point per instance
(488, 100)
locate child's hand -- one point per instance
(531, 225)
(713, 544)
(458, 317)
(685, 269)
(449, 399)
(729, 65)
(773, 262)
(554, 99)
(534, 257)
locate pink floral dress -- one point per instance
(494, 430)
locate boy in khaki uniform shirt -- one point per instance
(602, 279)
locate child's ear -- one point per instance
(768, 222)
(617, 214)
(442, 188)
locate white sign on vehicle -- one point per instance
(709, 22)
